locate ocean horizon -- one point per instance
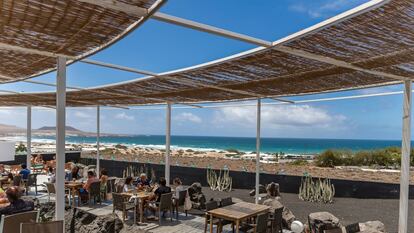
(218, 143)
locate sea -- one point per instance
(298, 146)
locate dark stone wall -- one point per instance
(246, 180)
(70, 157)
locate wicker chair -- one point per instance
(260, 226)
(179, 202)
(17, 180)
(11, 223)
(120, 203)
(276, 221)
(43, 227)
(31, 182)
(211, 205)
(165, 205)
(94, 192)
(50, 188)
(226, 201)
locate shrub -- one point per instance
(299, 162)
(329, 158)
(387, 157)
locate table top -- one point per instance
(72, 184)
(138, 194)
(239, 211)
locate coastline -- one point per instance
(221, 159)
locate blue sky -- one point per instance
(159, 47)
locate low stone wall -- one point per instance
(246, 180)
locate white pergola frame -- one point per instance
(277, 45)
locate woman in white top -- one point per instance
(178, 187)
(128, 186)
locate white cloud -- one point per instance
(187, 116)
(324, 8)
(291, 116)
(80, 114)
(124, 116)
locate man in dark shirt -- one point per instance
(162, 189)
(17, 205)
(24, 172)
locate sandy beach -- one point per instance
(223, 159)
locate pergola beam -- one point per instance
(209, 29)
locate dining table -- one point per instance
(74, 188)
(236, 213)
(139, 198)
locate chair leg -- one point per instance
(205, 225)
(171, 214)
(186, 213)
(159, 216)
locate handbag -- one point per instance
(187, 202)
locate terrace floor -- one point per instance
(348, 210)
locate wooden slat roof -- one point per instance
(74, 28)
(368, 46)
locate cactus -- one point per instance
(320, 190)
(220, 182)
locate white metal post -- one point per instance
(167, 144)
(98, 135)
(29, 138)
(60, 137)
(405, 159)
(258, 150)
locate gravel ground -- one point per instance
(348, 210)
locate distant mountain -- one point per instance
(53, 128)
(10, 129)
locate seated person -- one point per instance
(128, 186)
(143, 181)
(17, 205)
(3, 171)
(3, 197)
(51, 173)
(103, 177)
(38, 159)
(162, 189)
(178, 187)
(24, 172)
(84, 190)
(73, 174)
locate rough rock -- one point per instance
(372, 227)
(272, 190)
(287, 215)
(321, 221)
(79, 221)
(197, 197)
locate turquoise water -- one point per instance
(268, 145)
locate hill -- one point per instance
(53, 128)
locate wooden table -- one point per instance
(236, 213)
(141, 196)
(74, 187)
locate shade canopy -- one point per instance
(371, 45)
(31, 30)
